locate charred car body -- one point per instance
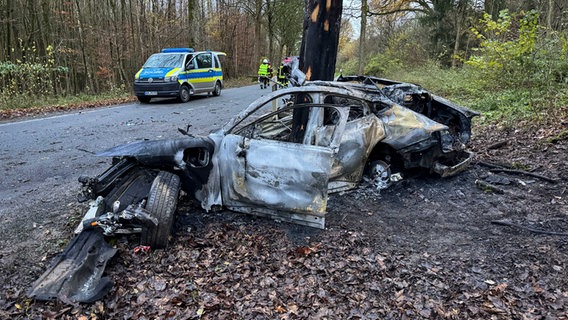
(286, 151)
(280, 157)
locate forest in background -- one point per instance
(495, 56)
(81, 46)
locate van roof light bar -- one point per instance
(171, 50)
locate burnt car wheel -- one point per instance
(217, 89)
(379, 174)
(184, 94)
(162, 203)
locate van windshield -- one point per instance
(164, 60)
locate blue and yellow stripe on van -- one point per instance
(173, 72)
(201, 75)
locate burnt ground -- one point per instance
(483, 245)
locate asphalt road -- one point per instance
(44, 155)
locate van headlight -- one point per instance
(171, 79)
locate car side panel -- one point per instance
(358, 140)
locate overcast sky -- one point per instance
(351, 8)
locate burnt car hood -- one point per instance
(405, 127)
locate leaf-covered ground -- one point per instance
(486, 244)
(8, 113)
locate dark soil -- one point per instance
(482, 245)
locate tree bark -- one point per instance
(83, 48)
(318, 52)
(362, 35)
(550, 14)
(456, 44)
(257, 29)
(270, 28)
(320, 38)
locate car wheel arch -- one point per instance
(384, 152)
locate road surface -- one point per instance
(43, 155)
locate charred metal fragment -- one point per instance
(76, 274)
(92, 187)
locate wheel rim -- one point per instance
(217, 89)
(380, 175)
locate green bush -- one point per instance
(32, 77)
(403, 52)
(349, 67)
(515, 51)
(496, 104)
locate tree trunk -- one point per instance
(192, 26)
(9, 31)
(550, 14)
(456, 44)
(320, 39)
(83, 49)
(318, 51)
(257, 24)
(269, 18)
(362, 35)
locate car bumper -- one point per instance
(156, 89)
(448, 171)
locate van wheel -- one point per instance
(162, 203)
(144, 99)
(184, 94)
(217, 89)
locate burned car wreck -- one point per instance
(280, 157)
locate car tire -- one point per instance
(379, 174)
(144, 99)
(217, 90)
(184, 94)
(161, 204)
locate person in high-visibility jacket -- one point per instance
(282, 75)
(264, 73)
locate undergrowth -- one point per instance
(22, 102)
(506, 105)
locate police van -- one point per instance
(179, 72)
